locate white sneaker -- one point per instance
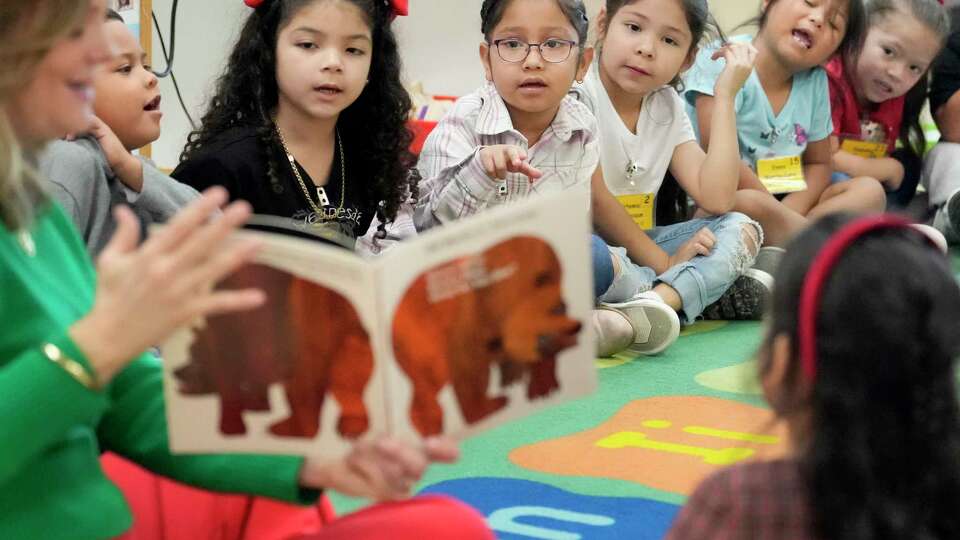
(613, 331)
(953, 212)
(946, 219)
(655, 324)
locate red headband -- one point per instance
(820, 271)
(401, 8)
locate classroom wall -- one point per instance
(439, 41)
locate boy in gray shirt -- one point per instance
(97, 171)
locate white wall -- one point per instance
(206, 30)
(439, 42)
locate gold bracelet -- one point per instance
(75, 369)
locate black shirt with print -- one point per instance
(237, 161)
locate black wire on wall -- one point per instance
(168, 58)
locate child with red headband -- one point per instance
(859, 362)
(308, 122)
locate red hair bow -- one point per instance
(401, 8)
(253, 3)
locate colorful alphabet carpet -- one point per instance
(619, 464)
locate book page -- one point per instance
(489, 317)
(295, 376)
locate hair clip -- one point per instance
(253, 3)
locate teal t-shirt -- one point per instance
(805, 117)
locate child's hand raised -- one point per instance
(500, 159)
(124, 164)
(740, 59)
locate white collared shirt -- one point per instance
(454, 184)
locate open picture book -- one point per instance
(455, 331)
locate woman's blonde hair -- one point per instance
(28, 30)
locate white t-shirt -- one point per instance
(635, 164)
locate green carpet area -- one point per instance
(711, 361)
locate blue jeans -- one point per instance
(701, 280)
(602, 266)
(838, 177)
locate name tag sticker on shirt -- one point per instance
(864, 149)
(782, 175)
(640, 208)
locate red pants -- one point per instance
(423, 518)
(167, 510)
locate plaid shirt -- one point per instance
(454, 183)
(757, 501)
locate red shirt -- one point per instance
(848, 119)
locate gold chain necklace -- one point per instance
(321, 192)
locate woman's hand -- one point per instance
(700, 243)
(144, 294)
(383, 470)
(740, 59)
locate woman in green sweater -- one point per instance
(73, 379)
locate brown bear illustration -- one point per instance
(305, 336)
(503, 307)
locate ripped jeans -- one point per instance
(700, 281)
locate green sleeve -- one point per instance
(41, 403)
(135, 427)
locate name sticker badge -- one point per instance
(782, 175)
(864, 149)
(640, 208)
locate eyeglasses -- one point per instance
(554, 51)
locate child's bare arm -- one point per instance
(704, 106)
(817, 168)
(887, 170)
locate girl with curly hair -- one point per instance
(308, 121)
(74, 376)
